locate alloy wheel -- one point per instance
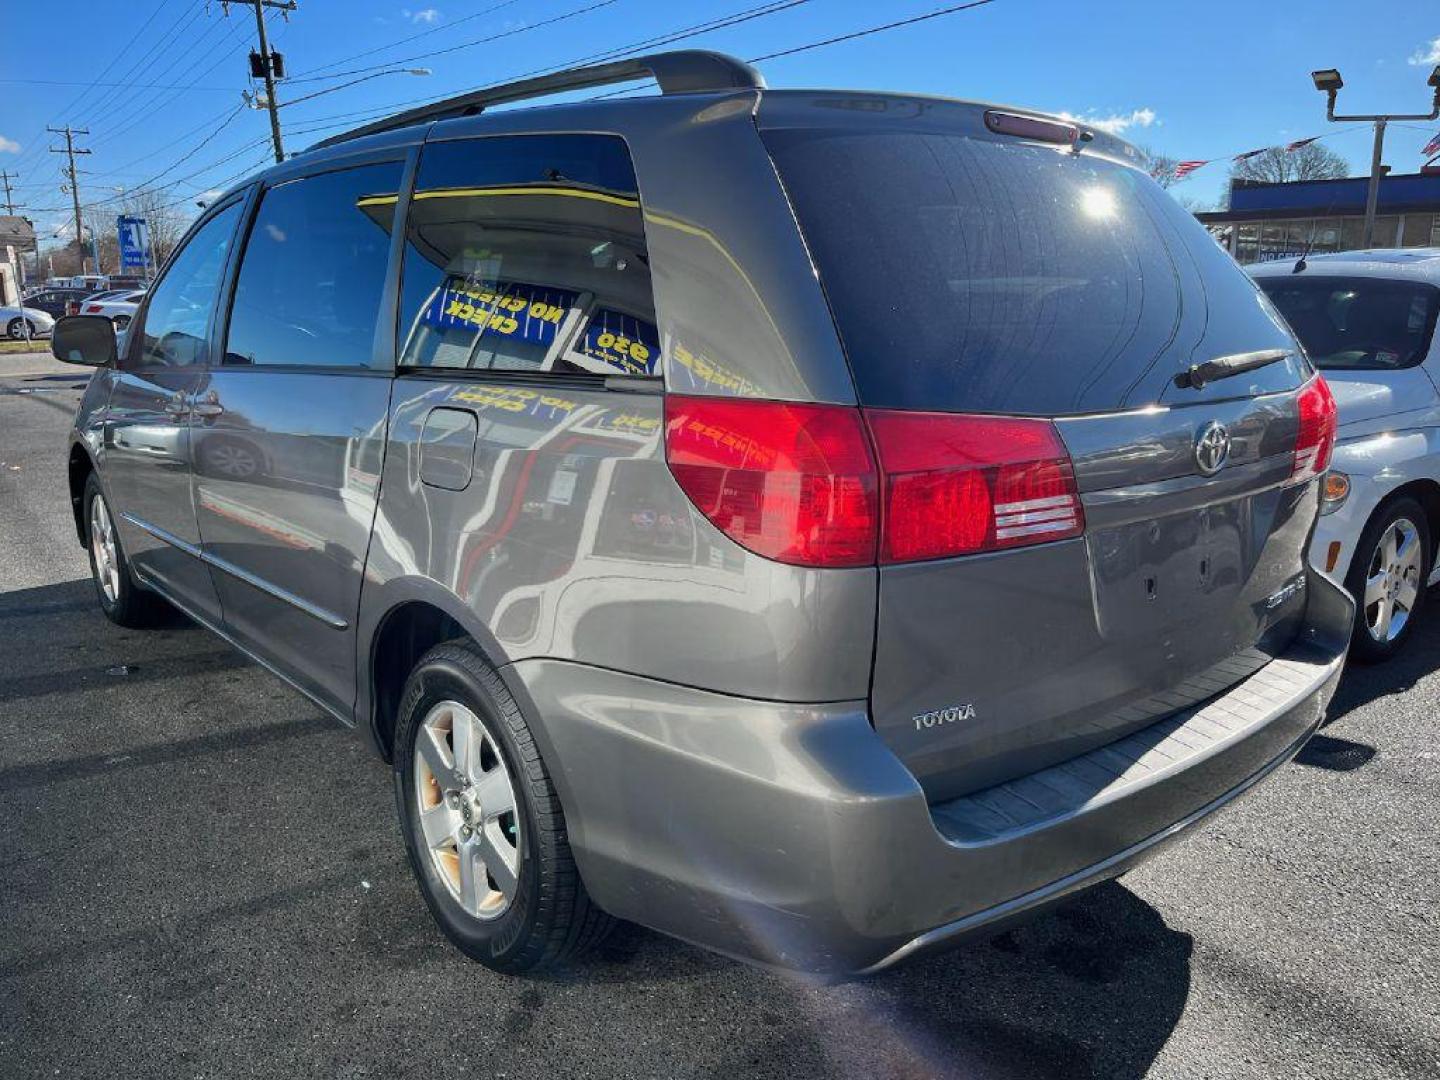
(105, 550)
(466, 808)
(1392, 580)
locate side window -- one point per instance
(527, 253)
(313, 270)
(177, 322)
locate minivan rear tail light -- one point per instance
(800, 484)
(792, 482)
(1315, 440)
(954, 484)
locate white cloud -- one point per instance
(8, 146)
(1115, 123)
(1427, 54)
(424, 15)
(209, 195)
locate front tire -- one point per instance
(1388, 579)
(16, 329)
(482, 823)
(123, 602)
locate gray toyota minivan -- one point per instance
(821, 526)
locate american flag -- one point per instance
(1431, 147)
(1299, 143)
(1185, 168)
(1249, 154)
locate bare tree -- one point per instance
(1277, 166)
(167, 222)
(1161, 167)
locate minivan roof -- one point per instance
(687, 72)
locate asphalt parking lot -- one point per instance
(200, 876)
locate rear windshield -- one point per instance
(1358, 322)
(982, 275)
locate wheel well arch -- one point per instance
(80, 467)
(1424, 491)
(406, 633)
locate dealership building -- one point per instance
(1279, 221)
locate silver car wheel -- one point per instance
(104, 550)
(17, 329)
(466, 806)
(232, 461)
(1392, 580)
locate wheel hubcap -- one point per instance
(104, 550)
(1392, 581)
(466, 804)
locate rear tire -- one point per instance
(1388, 578)
(16, 329)
(123, 601)
(545, 916)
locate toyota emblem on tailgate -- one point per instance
(1212, 448)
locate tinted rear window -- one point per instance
(1358, 322)
(996, 276)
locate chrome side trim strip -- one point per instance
(161, 534)
(335, 622)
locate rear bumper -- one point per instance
(791, 835)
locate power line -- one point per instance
(897, 24)
(538, 25)
(38, 141)
(448, 27)
(149, 182)
(144, 66)
(205, 46)
(771, 7)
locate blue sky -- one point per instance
(1190, 80)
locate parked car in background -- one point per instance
(1367, 320)
(118, 307)
(13, 320)
(889, 523)
(56, 301)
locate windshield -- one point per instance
(1358, 322)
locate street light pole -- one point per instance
(1328, 81)
(1372, 193)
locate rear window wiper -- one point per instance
(1222, 367)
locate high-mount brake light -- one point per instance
(1031, 127)
(800, 484)
(1315, 439)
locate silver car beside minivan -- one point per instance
(822, 526)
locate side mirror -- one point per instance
(88, 340)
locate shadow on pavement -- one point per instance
(191, 832)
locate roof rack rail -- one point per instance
(685, 71)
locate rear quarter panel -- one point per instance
(572, 541)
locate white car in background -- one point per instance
(118, 307)
(13, 320)
(1367, 320)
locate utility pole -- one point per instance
(70, 153)
(10, 208)
(268, 64)
(1328, 82)
(5, 178)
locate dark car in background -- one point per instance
(818, 525)
(57, 302)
